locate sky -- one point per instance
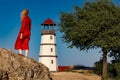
(39, 11)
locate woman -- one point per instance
(22, 42)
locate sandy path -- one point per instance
(73, 76)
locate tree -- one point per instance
(96, 24)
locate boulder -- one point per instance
(17, 67)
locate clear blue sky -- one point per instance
(40, 10)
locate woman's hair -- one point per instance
(25, 12)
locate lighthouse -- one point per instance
(48, 55)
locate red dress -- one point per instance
(25, 30)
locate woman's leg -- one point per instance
(26, 52)
(20, 51)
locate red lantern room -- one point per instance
(48, 27)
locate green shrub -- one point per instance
(98, 67)
(113, 69)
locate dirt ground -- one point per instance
(73, 76)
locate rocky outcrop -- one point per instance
(17, 67)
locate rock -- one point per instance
(17, 67)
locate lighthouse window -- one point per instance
(51, 49)
(50, 37)
(51, 61)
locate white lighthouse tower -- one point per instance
(48, 55)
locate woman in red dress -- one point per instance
(22, 41)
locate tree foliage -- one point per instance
(96, 24)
